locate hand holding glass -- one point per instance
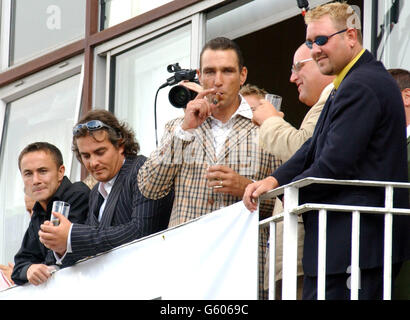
(60, 207)
(274, 100)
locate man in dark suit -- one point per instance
(359, 135)
(118, 212)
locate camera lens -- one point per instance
(179, 96)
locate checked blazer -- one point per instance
(127, 216)
(182, 166)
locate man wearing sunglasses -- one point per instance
(118, 212)
(360, 135)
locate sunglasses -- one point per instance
(92, 125)
(322, 40)
(299, 65)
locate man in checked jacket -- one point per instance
(211, 154)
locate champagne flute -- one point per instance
(274, 100)
(60, 207)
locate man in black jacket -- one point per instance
(42, 170)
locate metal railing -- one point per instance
(289, 216)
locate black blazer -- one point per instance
(127, 215)
(360, 135)
(32, 251)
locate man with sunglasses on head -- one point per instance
(360, 135)
(118, 212)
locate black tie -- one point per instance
(99, 204)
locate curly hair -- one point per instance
(121, 135)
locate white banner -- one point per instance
(213, 257)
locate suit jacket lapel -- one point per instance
(113, 197)
(318, 129)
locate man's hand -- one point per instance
(38, 274)
(264, 111)
(225, 180)
(7, 271)
(191, 86)
(55, 238)
(197, 110)
(256, 189)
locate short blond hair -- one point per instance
(342, 15)
(250, 89)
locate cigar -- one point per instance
(215, 99)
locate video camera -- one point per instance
(179, 95)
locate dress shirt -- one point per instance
(104, 189)
(339, 78)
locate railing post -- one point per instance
(321, 272)
(272, 260)
(388, 227)
(290, 244)
(354, 268)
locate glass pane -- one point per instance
(139, 73)
(45, 115)
(242, 17)
(393, 40)
(41, 25)
(117, 11)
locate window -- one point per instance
(116, 11)
(243, 17)
(138, 74)
(393, 41)
(37, 26)
(47, 113)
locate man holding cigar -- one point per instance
(211, 154)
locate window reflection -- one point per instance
(38, 26)
(139, 73)
(393, 41)
(45, 115)
(117, 11)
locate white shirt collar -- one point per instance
(104, 188)
(408, 131)
(243, 110)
